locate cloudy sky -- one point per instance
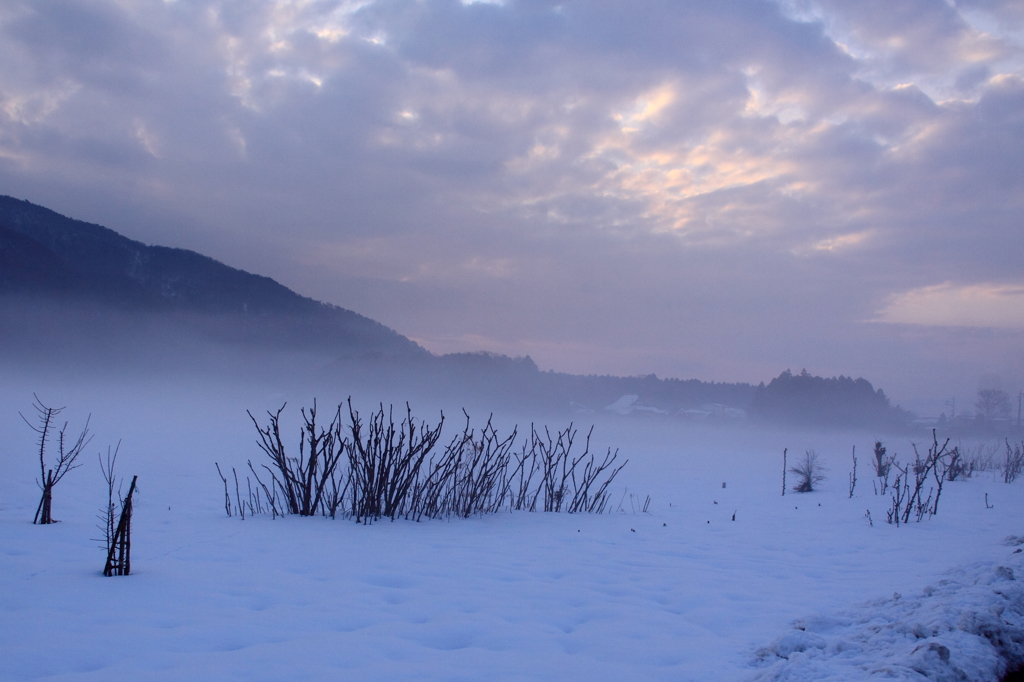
(720, 190)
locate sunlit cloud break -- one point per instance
(953, 305)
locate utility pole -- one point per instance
(1019, 396)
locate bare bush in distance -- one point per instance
(809, 473)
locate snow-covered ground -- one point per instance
(680, 593)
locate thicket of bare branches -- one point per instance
(373, 468)
(67, 452)
(470, 477)
(307, 484)
(908, 489)
(385, 461)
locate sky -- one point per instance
(713, 190)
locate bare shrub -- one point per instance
(390, 471)
(253, 502)
(908, 497)
(561, 480)
(1014, 462)
(307, 483)
(384, 464)
(809, 473)
(590, 492)
(960, 468)
(67, 453)
(984, 457)
(471, 477)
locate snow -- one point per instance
(623, 405)
(798, 587)
(967, 626)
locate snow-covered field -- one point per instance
(680, 593)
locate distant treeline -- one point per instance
(594, 392)
(787, 399)
(839, 401)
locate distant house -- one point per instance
(628, 404)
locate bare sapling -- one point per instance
(227, 495)
(67, 453)
(108, 515)
(809, 473)
(898, 497)
(116, 518)
(1014, 462)
(119, 551)
(853, 474)
(784, 451)
(638, 507)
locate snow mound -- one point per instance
(969, 627)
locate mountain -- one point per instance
(44, 255)
(28, 266)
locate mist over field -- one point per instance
(700, 569)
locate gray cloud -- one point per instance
(720, 190)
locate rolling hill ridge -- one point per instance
(45, 255)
